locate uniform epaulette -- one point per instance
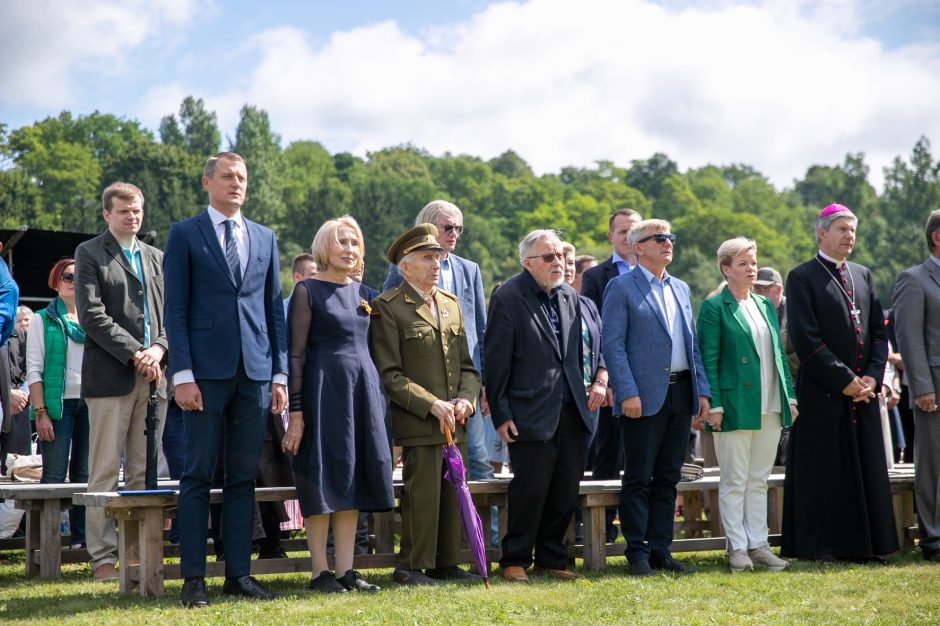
(448, 294)
(389, 295)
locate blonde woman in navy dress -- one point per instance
(336, 428)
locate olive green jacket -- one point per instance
(419, 362)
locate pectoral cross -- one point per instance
(856, 314)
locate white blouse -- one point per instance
(769, 379)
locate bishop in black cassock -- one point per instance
(837, 499)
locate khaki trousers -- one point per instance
(117, 426)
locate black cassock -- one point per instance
(837, 499)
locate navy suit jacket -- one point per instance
(210, 324)
(637, 345)
(468, 287)
(595, 279)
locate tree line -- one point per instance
(52, 174)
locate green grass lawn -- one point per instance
(905, 592)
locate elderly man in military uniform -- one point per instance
(419, 346)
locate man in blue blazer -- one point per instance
(228, 362)
(462, 278)
(655, 368)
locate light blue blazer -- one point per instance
(637, 346)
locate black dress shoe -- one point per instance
(932, 555)
(194, 594)
(669, 564)
(247, 587)
(451, 572)
(352, 580)
(412, 577)
(326, 583)
(641, 569)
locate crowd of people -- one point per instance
(577, 366)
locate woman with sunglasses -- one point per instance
(752, 398)
(54, 349)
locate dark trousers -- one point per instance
(233, 420)
(608, 458)
(543, 493)
(654, 447)
(173, 451)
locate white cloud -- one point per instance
(45, 43)
(778, 85)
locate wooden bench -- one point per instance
(140, 522)
(43, 504)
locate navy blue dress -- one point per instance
(344, 461)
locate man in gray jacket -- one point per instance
(917, 326)
(119, 295)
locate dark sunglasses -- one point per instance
(660, 238)
(448, 228)
(548, 258)
(67, 277)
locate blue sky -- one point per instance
(778, 84)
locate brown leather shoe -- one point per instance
(514, 574)
(105, 571)
(561, 574)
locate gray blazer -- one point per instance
(917, 326)
(110, 301)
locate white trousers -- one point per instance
(746, 458)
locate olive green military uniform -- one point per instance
(421, 359)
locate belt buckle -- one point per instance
(673, 378)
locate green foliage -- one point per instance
(52, 174)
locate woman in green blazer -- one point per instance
(752, 398)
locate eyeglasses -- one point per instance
(548, 258)
(660, 238)
(68, 277)
(450, 228)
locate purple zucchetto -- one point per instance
(834, 208)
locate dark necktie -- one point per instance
(231, 253)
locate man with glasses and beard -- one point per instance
(654, 366)
(535, 387)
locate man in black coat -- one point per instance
(837, 499)
(535, 385)
(608, 440)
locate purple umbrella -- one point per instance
(454, 471)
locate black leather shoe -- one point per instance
(451, 572)
(641, 569)
(932, 555)
(412, 577)
(194, 594)
(326, 583)
(669, 564)
(247, 587)
(352, 580)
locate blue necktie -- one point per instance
(231, 253)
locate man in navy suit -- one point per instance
(655, 368)
(462, 278)
(608, 440)
(228, 362)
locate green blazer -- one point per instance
(732, 364)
